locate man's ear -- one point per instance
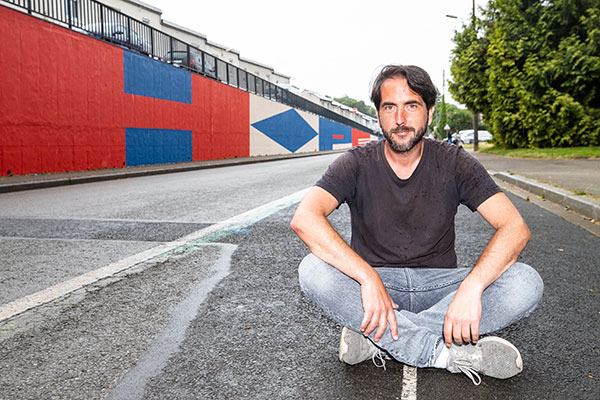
(430, 117)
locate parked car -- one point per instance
(466, 136)
(119, 34)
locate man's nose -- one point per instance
(400, 117)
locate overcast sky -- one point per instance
(333, 47)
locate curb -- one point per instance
(583, 205)
(131, 172)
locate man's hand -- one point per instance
(463, 316)
(378, 309)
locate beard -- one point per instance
(413, 140)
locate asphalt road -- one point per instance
(220, 315)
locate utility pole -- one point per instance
(475, 114)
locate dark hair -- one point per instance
(418, 81)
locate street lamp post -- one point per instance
(475, 114)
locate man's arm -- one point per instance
(311, 225)
(511, 237)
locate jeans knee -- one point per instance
(528, 285)
(311, 273)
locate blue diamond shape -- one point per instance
(288, 129)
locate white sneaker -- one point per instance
(356, 348)
(491, 356)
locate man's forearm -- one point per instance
(502, 251)
(324, 242)
(509, 240)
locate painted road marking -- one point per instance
(205, 235)
(409, 383)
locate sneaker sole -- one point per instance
(502, 359)
(343, 345)
(350, 341)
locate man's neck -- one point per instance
(404, 164)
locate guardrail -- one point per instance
(96, 19)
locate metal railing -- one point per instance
(96, 19)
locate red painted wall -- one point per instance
(63, 106)
(53, 83)
(358, 135)
(223, 129)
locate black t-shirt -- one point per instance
(407, 222)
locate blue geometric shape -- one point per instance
(288, 129)
(331, 133)
(144, 76)
(157, 146)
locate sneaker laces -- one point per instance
(379, 358)
(465, 368)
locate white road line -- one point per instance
(87, 219)
(210, 233)
(409, 383)
(67, 240)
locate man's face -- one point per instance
(402, 115)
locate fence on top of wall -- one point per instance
(96, 19)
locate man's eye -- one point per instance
(388, 108)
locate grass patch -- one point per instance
(482, 145)
(563, 152)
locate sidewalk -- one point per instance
(560, 181)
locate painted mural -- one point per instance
(70, 102)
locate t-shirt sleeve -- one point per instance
(475, 185)
(340, 178)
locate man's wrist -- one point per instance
(473, 284)
(366, 274)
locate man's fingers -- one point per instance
(475, 334)
(457, 334)
(365, 321)
(466, 333)
(448, 332)
(460, 333)
(378, 310)
(372, 325)
(380, 329)
(379, 333)
(393, 325)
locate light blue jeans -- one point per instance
(423, 295)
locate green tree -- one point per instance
(460, 119)
(469, 68)
(359, 105)
(442, 120)
(457, 118)
(533, 70)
